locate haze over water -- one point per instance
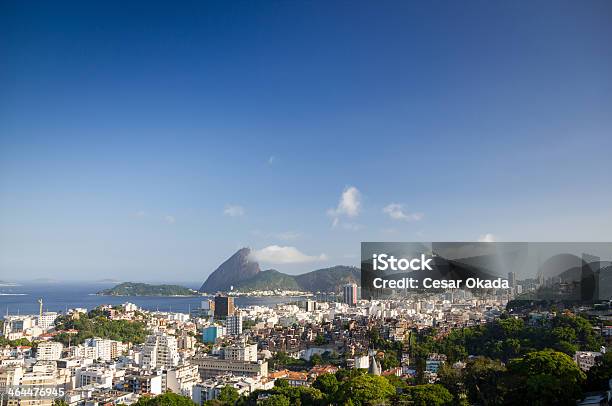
(59, 297)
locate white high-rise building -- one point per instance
(46, 320)
(181, 379)
(82, 352)
(234, 324)
(102, 348)
(349, 295)
(49, 351)
(160, 351)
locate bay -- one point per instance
(59, 297)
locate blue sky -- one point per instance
(153, 141)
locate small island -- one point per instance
(144, 289)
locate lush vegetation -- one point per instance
(14, 343)
(538, 378)
(143, 289)
(509, 338)
(166, 399)
(346, 387)
(600, 374)
(268, 280)
(391, 349)
(96, 324)
(281, 360)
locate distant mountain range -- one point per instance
(244, 274)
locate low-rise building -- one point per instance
(586, 359)
(210, 367)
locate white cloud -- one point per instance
(350, 202)
(170, 219)
(487, 238)
(396, 212)
(271, 160)
(233, 210)
(275, 254)
(348, 206)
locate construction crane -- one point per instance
(40, 302)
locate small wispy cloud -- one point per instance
(349, 205)
(275, 254)
(170, 219)
(234, 210)
(140, 213)
(271, 160)
(288, 235)
(487, 238)
(396, 212)
(351, 226)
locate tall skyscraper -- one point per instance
(350, 294)
(512, 279)
(224, 306)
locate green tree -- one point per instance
(281, 383)
(328, 384)
(276, 400)
(366, 389)
(228, 395)
(452, 379)
(429, 395)
(166, 399)
(484, 381)
(390, 360)
(316, 359)
(397, 382)
(545, 378)
(320, 339)
(300, 395)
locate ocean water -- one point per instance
(59, 297)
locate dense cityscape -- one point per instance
(305, 203)
(448, 348)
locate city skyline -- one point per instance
(152, 143)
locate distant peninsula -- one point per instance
(144, 289)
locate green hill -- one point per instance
(143, 289)
(322, 280)
(268, 280)
(329, 279)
